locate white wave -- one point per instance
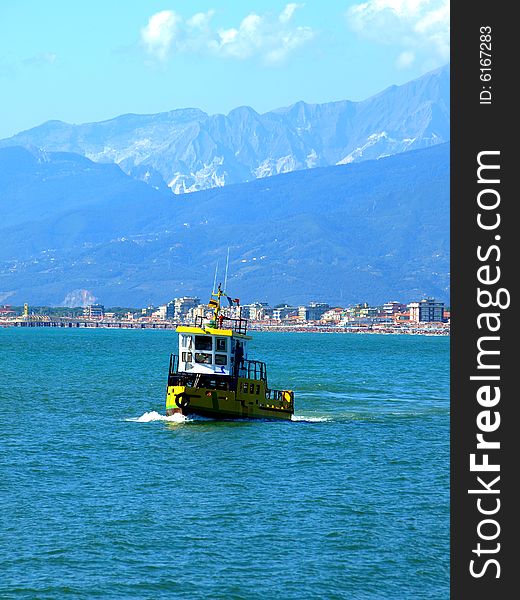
(149, 417)
(305, 419)
(155, 416)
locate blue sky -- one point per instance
(81, 61)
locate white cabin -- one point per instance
(210, 351)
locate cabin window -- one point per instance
(221, 345)
(203, 358)
(257, 390)
(245, 387)
(203, 342)
(187, 356)
(220, 359)
(186, 341)
(252, 388)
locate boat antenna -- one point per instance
(227, 265)
(215, 278)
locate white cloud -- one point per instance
(288, 12)
(200, 20)
(160, 32)
(420, 27)
(270, 37)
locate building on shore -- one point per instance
(256, 311)
(401, 317)
(160, 313)
(179, 310)
(333, 315)
(393, 307)
(362, 311)
(148, 311)
(6, 311)
(182, 306)
(94, 311)
(313, 312)
(426, 311)
(170, 310)
(281, 313)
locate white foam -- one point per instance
(304, 419)
(155, 416)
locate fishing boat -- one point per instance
(212, 375)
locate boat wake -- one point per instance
(148, 417)
(304, 419)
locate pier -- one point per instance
(92, 324)
(408, 328)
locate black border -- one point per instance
(477, 127)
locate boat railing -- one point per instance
(238, 325)
(272, 394)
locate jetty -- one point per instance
(91, 324)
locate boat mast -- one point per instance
(214, 279)
(227, 265)
(215, 303)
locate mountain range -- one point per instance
(371, 231)
(187, 150)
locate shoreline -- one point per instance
(440, 329)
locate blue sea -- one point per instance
(102, 496)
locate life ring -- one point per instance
(182, 400)
(287, 396)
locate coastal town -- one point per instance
(423, 317)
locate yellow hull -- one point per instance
(250, 400)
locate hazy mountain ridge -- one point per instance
(189, 150)
(374, 231)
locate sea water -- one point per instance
(103, 496)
